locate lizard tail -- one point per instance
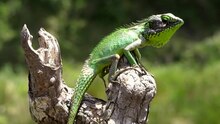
(83, 82)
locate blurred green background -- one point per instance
(186, 69)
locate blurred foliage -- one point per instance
(186, 95)
(187, 91)
(80, 24)
(186, 69)
(204, 53)
(13, 97)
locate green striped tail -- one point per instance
(83, 82)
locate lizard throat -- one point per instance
(159, 37)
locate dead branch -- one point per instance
(129, 96)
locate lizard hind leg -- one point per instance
(113, 67)
(111, 62)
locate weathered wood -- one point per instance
(129, 95)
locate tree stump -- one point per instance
(129, 95)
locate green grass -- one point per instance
(186, 95)
(13, 97)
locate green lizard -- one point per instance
(155, 31)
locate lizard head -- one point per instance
(158, 29)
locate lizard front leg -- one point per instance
(137, 54)
(133, 47)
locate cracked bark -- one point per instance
(129, 96)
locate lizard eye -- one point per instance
(165, 18)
